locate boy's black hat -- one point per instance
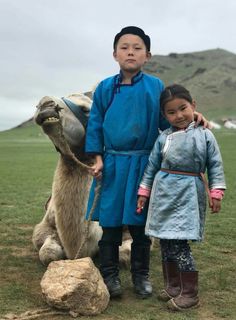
(136, 31)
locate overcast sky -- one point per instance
(57, 47)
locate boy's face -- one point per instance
(179, 112)
(131, 53)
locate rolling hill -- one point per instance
(209, 75)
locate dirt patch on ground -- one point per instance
(18, 251)
(47, 313)
(206, 315)
(25, 227)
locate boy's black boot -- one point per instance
(109, 268)
(140, 258)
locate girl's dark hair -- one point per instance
(174, 91)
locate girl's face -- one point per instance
(131, 53)
(179, 112)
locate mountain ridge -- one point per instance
(209, 75)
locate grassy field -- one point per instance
(27, 162)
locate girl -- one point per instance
(175, 173)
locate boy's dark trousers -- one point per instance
(140, 258)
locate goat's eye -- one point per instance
(58, 108)
(85, 109)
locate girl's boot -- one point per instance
(188, 297)
(171, 277)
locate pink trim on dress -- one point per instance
(144, 192)
(217, 194)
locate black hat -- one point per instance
(136, 31)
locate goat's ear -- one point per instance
(94, 88)
(81, 100)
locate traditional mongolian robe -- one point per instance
(123, 126)
(178, 201)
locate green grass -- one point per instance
(27, 164)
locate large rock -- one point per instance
(76, 286)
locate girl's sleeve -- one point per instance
(94, 134)
(215, 170)
(154, 164)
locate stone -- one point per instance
(76, 286)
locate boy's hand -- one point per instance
(141, 204)
(96, 169)
(200, 120)
(216, 205)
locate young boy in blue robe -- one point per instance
(177, 207)
(122, 128)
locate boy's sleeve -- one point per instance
(154, 164)
(163, 123)
(215, 169)
(94, 142)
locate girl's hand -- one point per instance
(96, 169)
(216, 205)
(141, 203)
(200, 120)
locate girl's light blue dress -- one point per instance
(123, 127)
(178, 202)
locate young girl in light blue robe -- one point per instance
(177, 208)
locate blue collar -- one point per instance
(189, 127)
(119, 77)
(138, 76)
